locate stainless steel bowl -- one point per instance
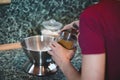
(40, 62)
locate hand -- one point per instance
(60, 54)
(69, 26)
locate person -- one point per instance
(99, 40)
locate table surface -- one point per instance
(12, 61)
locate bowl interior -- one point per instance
(37, 43)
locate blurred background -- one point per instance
(22, 18)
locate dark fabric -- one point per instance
(100, 32)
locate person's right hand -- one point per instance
(60, 54)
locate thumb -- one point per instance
(50, 52)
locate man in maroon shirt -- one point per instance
(99, 41)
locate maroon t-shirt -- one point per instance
(100, 32)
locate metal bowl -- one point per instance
(40, 62)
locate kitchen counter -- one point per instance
(12, 61)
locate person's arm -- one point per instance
(93, 66)
(62, 57)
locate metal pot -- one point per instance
(40, 62)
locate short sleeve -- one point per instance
(91, 38)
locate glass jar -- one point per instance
(67, 39)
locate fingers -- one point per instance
(53, 45)
(50, 52)
(57, 50)
(69, 26)
(66, 27)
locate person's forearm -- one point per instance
(70, 72)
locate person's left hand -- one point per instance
(60, 54)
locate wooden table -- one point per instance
(5, 1)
